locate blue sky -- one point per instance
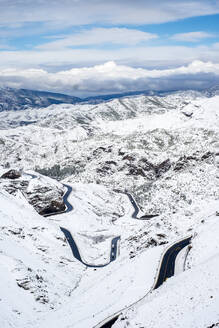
(68, 35)
(32, 34)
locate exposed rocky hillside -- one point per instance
(144, 144)
(44, 194)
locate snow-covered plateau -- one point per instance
(162, 150)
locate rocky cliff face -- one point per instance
(43, 194)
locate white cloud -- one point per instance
(143, 56)
(110, 78)
(58, 13)
(95, 36)
(192, 36)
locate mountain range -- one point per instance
(158, 153)
(18, 99)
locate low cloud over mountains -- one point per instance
(112, 78)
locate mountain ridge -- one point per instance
(19, 99)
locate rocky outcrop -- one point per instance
(54, 207)
(136, 171)
(46, 198)
(184, 161)
(144, 167)
(11, 174)
(134, 167)
(129, 158)
(98, 151)
(162, 168)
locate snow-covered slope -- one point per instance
(162, 150)
(191, 298)
(35, 271)
(38, 268)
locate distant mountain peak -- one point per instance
(18, 99)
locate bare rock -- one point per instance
(54, 207)
(128, 158)
(146, 165)
(24, 283)
(134, 170)
(181, 163)
(162, 168)
(11, 174)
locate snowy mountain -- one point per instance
(16, 99)
(19, 99)
(161, 150)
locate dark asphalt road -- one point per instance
(77, 255)
(136, 209)
(110, 323)
(69, 207)
(166, 271)
(168, 263)
(135, 206)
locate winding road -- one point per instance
(75, 250)
(135, 206)
(77, 255)
(166, 270)
(167, 263)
